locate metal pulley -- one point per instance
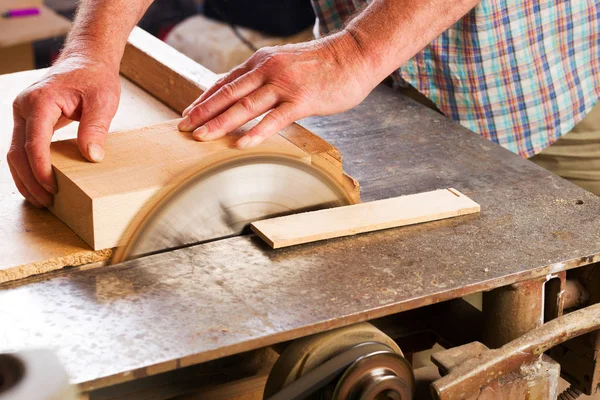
(358, 362)
(380, 375)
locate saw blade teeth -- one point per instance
(220, 201)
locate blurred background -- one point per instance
(219, 34)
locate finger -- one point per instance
(14, 153)
(221, 100)
(272, 123)
(249, 107)
(230, 77)
(26, 182)
(93, 129)
(39, 128)
(21, 187)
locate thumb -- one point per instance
(92, 132)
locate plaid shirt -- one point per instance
(519, 72)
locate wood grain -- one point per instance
(366, 217)
(98, 200)
(34, 241)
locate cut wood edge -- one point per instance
(364, 217)
(72, 260)
(64, 206)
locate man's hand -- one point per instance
(76, 88)
(321, 77)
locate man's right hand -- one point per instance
(75, 89)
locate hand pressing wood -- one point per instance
(365, 217)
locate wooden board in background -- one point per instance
(365, 217)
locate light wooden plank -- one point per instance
(34, 241)
(98, 200)
(365, 217)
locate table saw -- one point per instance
(342, 318)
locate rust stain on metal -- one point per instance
(472, 375)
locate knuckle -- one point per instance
(270, 121)
(228, 90)
(275, 61)
(274, 89)
(280, 117)
(221, 81)
(275, 118)
(247, 104)
(14, 155)
(217, 123)
(198, 112)
(95, 129)
(31, 100)
(31, 96)
(263, 52)
(16, 105)
(31, 147)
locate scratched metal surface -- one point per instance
(115, 323)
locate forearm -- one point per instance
(101, 29)
(388, 33)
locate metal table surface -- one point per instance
(165, 311)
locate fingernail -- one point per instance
(185, 124)
(96, 152)
(186, 112)
(200, 133)
(247, 141)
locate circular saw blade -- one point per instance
(222, 199)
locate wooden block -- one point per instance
(99, 200)
(365, 217)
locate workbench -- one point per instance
(112, 324)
